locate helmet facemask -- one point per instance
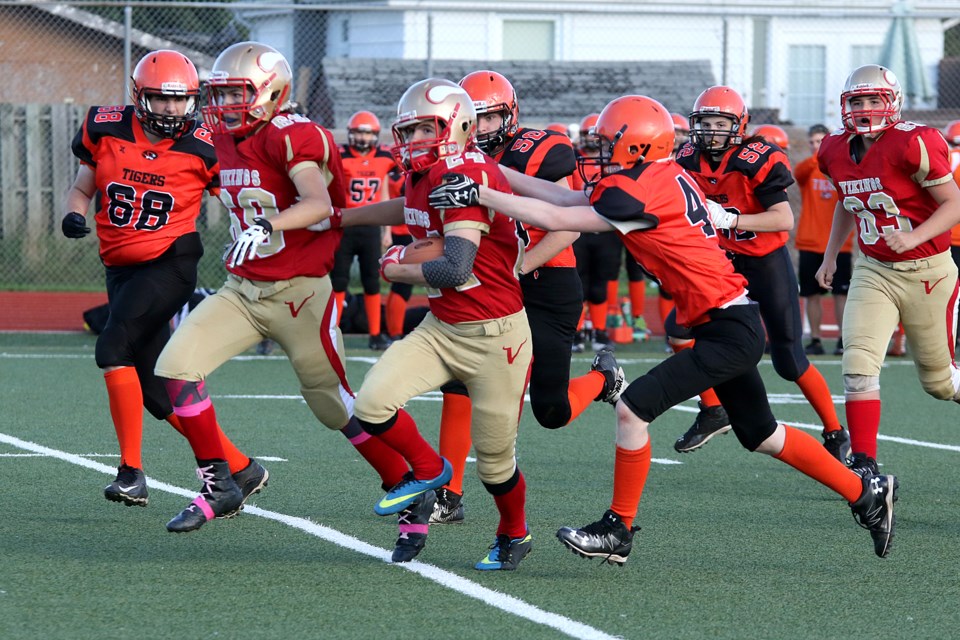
(864, 120)
(359, 138)
(493, 142)
(448, 109)
(166, 74)
(715, 140)
(162, 124)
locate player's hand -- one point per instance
(825, 273)
(334, 221)
(900, 242)
(392, 256)
(455, 192)
(246, 245)
(720, 218)
(74, 225)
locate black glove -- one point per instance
(74, 225)
(456, 191)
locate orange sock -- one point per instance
(817, 393)
(613, 296)
(371, 304)
(396, 309)
(583, 391)
(339, 298)
(805, 454)
(583, 316)
(455, 439)
(126, 409)
(235, 458)
(598, 315)
(638, 297)
(664, 306)
(630, 469)
(709, 397)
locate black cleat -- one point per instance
(838, 350)
(711, 421)
(602, 341)
(873, 510)
(815, 348)
(607, 538)
(448, 508)
(579, 341)
(414, 523)
(251, 479)
(130, 487)
(613, 378)
(506, 553)
(220, 497)
(379, 342)
(863, 465)
(837, 443)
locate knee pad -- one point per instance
(455, 387)
(854, 383)
(376, 429)
(112, 348)
(786, 363)
(503, 488)
(551, 415)
(189, 398)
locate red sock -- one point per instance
(339, 298)
(404, 438)
(512, 508)
(817, 393)
(630, 469)
(805, 454)
(396, 309)
(863, 422)
(709, 397)
(199, 422)
(371, 304)
(664, 306)
(638, 297)
(455, 440)
(583, 391)
(237, 460)
(598, 315)
(389, 464)
(126, 409)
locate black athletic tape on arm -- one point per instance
(454, 268)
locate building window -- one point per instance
(806, 84)
(528, 39)
(861, 54)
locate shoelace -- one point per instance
(207, 477)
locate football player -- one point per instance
(749, 178)
(895, 189)
(773, 134)
(663, 217)
(366, 168)
(151, 161)
(279, 173)
(551, 287)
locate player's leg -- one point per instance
(340, 272)
(455, 443)
(838, 289)
(398, 297)
(368, 257)
(808, 264)
(608, 249)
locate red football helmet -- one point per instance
(492, 93)
(681, 128)
(448, 108)
(952, 133)
(773, 133)
(629, 130)
(588, 140)
(719, 101)
(359, 123)
(165, 73)
(868, 81)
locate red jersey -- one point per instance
(818, 200)
(255, 177)
(547, 155)
(365, 174)
(955, 232)
(151, 193)
(659, 211)
(886, 190)
(748, 178)
(493, 289)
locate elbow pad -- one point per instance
(454, 268)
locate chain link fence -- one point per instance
(566, 59)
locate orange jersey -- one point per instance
(366, 175)
(818, 201)
(748, 179)
(546, 155)
(151, 193)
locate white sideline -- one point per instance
(502, 601)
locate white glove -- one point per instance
(246, 245)
(720, 218)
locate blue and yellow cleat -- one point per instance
(506, 553)
(409, 489)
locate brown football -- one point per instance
(422, 251)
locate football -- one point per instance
(422, 251)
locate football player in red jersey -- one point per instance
(749, 178)
(279, 173)
(896, 192)
(151, 161)
(663, 217)
(551, 288)
(366, 169)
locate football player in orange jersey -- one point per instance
(749, 177)
(551, 287)
(773, 133)
(663, 217)
(151, 161)
(895, 189)
(366, 168)
(279, 173)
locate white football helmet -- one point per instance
(447, 106)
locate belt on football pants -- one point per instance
(914, 265)
(254, 290)
(494, 327)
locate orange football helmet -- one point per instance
(773, 133)
(262, 76)
(363, 122)
(445, 105)
(681, 129)
(558, 127)
(630, 130)
(492, 93)
(719, 101)
(952, 133)
(588, 140)
(871, 80)
(165, 73)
